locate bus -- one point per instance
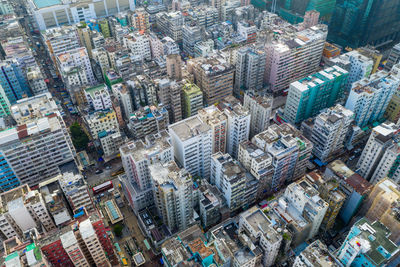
(102, 187)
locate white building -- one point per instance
(259, 228)
(138, 44)
(22, 210)
(315, 255)
(76, 191)
(36, 80)
(110, 142)
(192, 143)
(329, 131)
(230, 179)
(173, 195)
(100, 56)
(123, 95)
(376, 153)
(48, 14)
(369, 98)
(394, 57)
(303, 197)
(100, 121)
(74, 251)
(358, 66)
(260, 108)
(217, 121)
(238, 127)
(75, 69)
(136, 158)
(98, 97)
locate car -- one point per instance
(108, 167)
(352, 157)
(98, 171)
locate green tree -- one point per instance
(118, 230)
(79, 137)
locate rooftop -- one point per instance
(317, 253)
(189, 128)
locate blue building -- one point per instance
(13, 81)
(367, 245)
(8, 179)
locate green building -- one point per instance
(294, 10)
(308, 96)
(111, 77)
(104, 28)
(192, 99)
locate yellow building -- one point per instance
(384, 194)
(371, 52)
(392, 112)
(99, 121)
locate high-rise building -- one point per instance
(376, 150)
(394, 57)
(36, 81)
(358, 65)
(174, 69)
(214, 77)
(390, 219)
(287, 62)
(289, 150)
(293, 11)
(75, 69)
(357, 23)
(136, 157)
(365, 244)
(190, 36)
(328, 188)
(316, 254)
(138, 45)
(250, 67)
(169, 94)
(173, 195)
(98, 97)
(55, 14)
(121, 92)
(148, 120)
(140, 20)
(100, 56)
(256, 225)
(260, 107)
(373, 53)
(238, 124)
(4, 104)
(192, 99)
(13, 81)
(308, 96)
(383, 195)
(217, 121)
(23, 209)
(76, 191)
(100, 121)
(171, 24)
(192, 142)
(329, 131)
(369, 98)
(352, 185)
(212, 205)
(230, 179)
(42, 142)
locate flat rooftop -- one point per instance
(189, 128)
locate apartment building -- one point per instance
(260, 107)
(289, 150)
(13, 81)
(174, 68)
(169, 94)
(238, 124)
(136, 158)
(36, 81)
(192, 99)
(329, 131)
(138, 44)
(309, 95)
(121, 92)
(369, 98)
(171, 24)
(316, 255)
(214, 77)
(376, 153)
(293, 54)
(173, 195)
(217, 121)
(148, 120)
(75, 69)
(140, 20)
(102, 120)
(250, 67)
(98, 97)
(192, 143)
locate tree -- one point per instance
(79, 137)
(118, 230)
